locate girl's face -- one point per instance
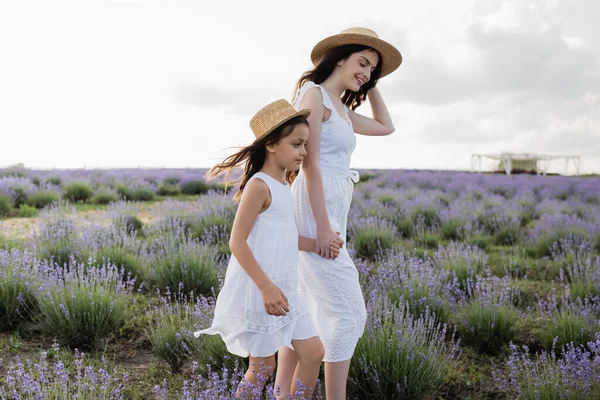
(290, 151)
(356, 70)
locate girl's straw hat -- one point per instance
(391, 57)
(272, 116)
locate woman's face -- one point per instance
(357, 69)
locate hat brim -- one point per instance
(391, 57)
(305, 113)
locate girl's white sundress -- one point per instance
(330, 288)
(240, 318)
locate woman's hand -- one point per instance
(325, 238)
(335, 247)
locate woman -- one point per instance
(347, 68)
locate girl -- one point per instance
(347, 68)
(258, 309)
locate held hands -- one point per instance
(328, 243)
(274, 300)
(335, 246)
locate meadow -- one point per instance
(477, 286)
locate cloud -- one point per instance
(523, 87)
(505, 62)
(240, 101)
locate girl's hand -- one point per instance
(274, 300)
(335, 246)
(324, 238)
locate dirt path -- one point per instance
(25, 227)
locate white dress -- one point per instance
(240, 318)
(330, 288)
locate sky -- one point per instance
(135, 83)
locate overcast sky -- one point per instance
(174, 83)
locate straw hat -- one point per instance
(391, 57)
(272, 116)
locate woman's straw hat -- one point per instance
(272, 116)
(391, 57)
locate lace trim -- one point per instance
(279, 323)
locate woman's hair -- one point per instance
(252, 157)
(328, 63)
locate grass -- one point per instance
(488, 329)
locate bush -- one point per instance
(595, 200)
(130, 223)
(15, 173)
(194, 187)
(214, 228)
(487, 327)
(123, 190)
(54, 180)
(105, 196)
(17, 279)
(123, 259)
(212, 351)
(218, 187)
(453, 229)
(401, 357)
(51, 376)
(81, 305)
(42, 199)
(371, 241)
(566, 328)
(174, 181)
(78, 192)
(366, 177)
(503, 191)
(166, 189)
(9, 243)
(545, 244)
(26, 211)
(5, 207)
(171, 331)
(191, 268)
(507, 235)
(142, 194)
(405, 228)
(488, 222)
(427, 216)
(388, 200)
(419, 300)
(583, 289)
(572, 374)
(20, 196)
(428, 241)
(461, 261)
(480, 241)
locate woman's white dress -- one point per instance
(330, 288)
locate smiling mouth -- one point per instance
(360, 81)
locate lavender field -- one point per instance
(477, 286)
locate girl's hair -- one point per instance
(328, 63)
(252, 158)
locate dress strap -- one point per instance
(309, 85)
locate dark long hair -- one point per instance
(253, 157)
(328, 63)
